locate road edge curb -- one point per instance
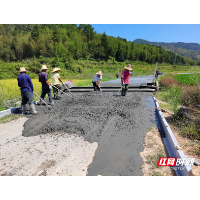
(9, 111)
(171, 143)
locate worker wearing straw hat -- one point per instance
(55, 82)
(26, 86)
(125, 79)
(46, 87)
(97, 81)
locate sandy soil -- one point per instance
(49, 154)
(153, 149)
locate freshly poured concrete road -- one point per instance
(99, 134)
(134, 81)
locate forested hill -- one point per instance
(69, 41)
(189, 46)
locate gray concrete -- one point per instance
(134, 81)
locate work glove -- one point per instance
(123, 84)
(50, 87)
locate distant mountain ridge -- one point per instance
(189, 46)
(190, 50)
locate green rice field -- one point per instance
(188, 79)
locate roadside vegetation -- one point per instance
(182, 94)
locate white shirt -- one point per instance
(96, 78)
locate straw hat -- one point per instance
(128, 67)
(44, 67)
(99, 73)
(22, 69)
(55, 70)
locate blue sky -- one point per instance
(152, 32)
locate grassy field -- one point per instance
(188, 79)
(182, 91)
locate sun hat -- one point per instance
(55, 70)
(22, 69)
(99, 73)
(128, 67)
(44, 67)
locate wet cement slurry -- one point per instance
(134, 81)
(118, 124)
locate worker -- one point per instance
(97, 81)
(117, 75)
(55, 82)
(46, 87)
(26, 87)
(125, 79)
(157, 72)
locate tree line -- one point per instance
(71, 41)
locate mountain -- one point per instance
(190, 50)
(189, 46)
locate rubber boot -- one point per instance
(59, 93)
(33, 111)
(24, 110)
(125, 92)
(55, 96)
(51, 103)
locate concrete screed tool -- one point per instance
(43, 101)
(61, 91)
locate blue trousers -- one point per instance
(46, 90)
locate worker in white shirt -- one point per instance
(97, 81)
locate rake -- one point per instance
(43, 101)
(61, 91)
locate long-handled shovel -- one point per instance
(43, 101)
(68, 90)
(61, 91)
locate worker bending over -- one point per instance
(125, 79)
(97, 81)
(55, 82)
(26, 87)
(46, 87)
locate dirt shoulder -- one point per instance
(153, 149)
(46, 155)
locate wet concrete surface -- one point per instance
(118, 124)
(134, 81)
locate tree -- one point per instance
(104, 44)
(119, 54)
(88, 30)
(35, 32)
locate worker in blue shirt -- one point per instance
(26, 86)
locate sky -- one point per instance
(152, 32)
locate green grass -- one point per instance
(188, 79)
(9, 118)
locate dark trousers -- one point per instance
(27, 96)
(124, 89)
(96, 87)
(46, 90)
(55, 91)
